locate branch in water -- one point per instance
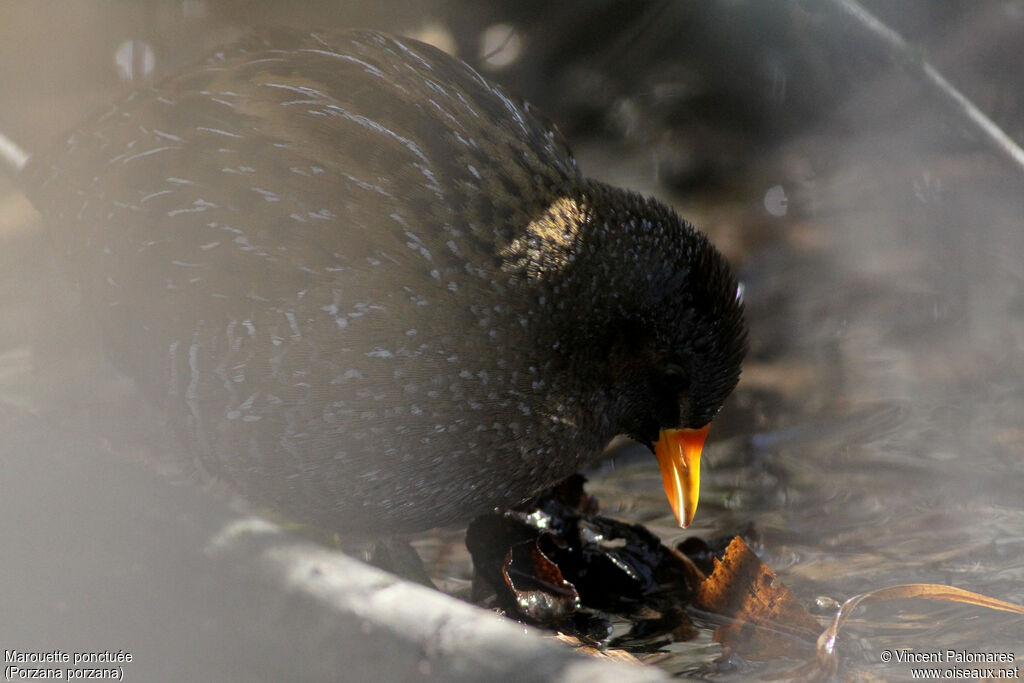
(909, 57)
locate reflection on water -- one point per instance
(876, 435)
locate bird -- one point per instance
(371, 290)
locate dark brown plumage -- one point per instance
(372, 290)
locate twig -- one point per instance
(12, 155)
(909, 57)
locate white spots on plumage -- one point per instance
(367, 67)
(509, 105)
(414, 242)
(436, 87)
(423, 164)
(218, 131)
(410, 53)
(292, 102)
(415, 297)
(300, 89)
(465, 142)
(370, 187)
(167, 136)
(191, 392)
(152, 195)
(429, 175)
(172, 366)
(411, 332)
(197, 206)
(179, 181)
(249, 327)
(362, 308)
(293, 325)
(444, 112)
(435, 274)
(472, 169)
(147, 153)
(218, 100)
(379, 352)
(321, 214)
(266, 194)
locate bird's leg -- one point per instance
(394, 554)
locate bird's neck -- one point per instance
(584, 257)
(574, 265)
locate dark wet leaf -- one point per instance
(488, 539)
(556, 559)
(540, 591)
(700, 552)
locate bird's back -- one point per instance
(295, 248)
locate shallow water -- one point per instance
(875, 438)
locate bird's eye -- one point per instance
(674, 375)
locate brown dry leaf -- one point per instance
(768, 622)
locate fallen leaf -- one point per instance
(541, 592)
(766, 620)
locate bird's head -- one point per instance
(668, 320)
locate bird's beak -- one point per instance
(678, 452)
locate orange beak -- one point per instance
(678, 452)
